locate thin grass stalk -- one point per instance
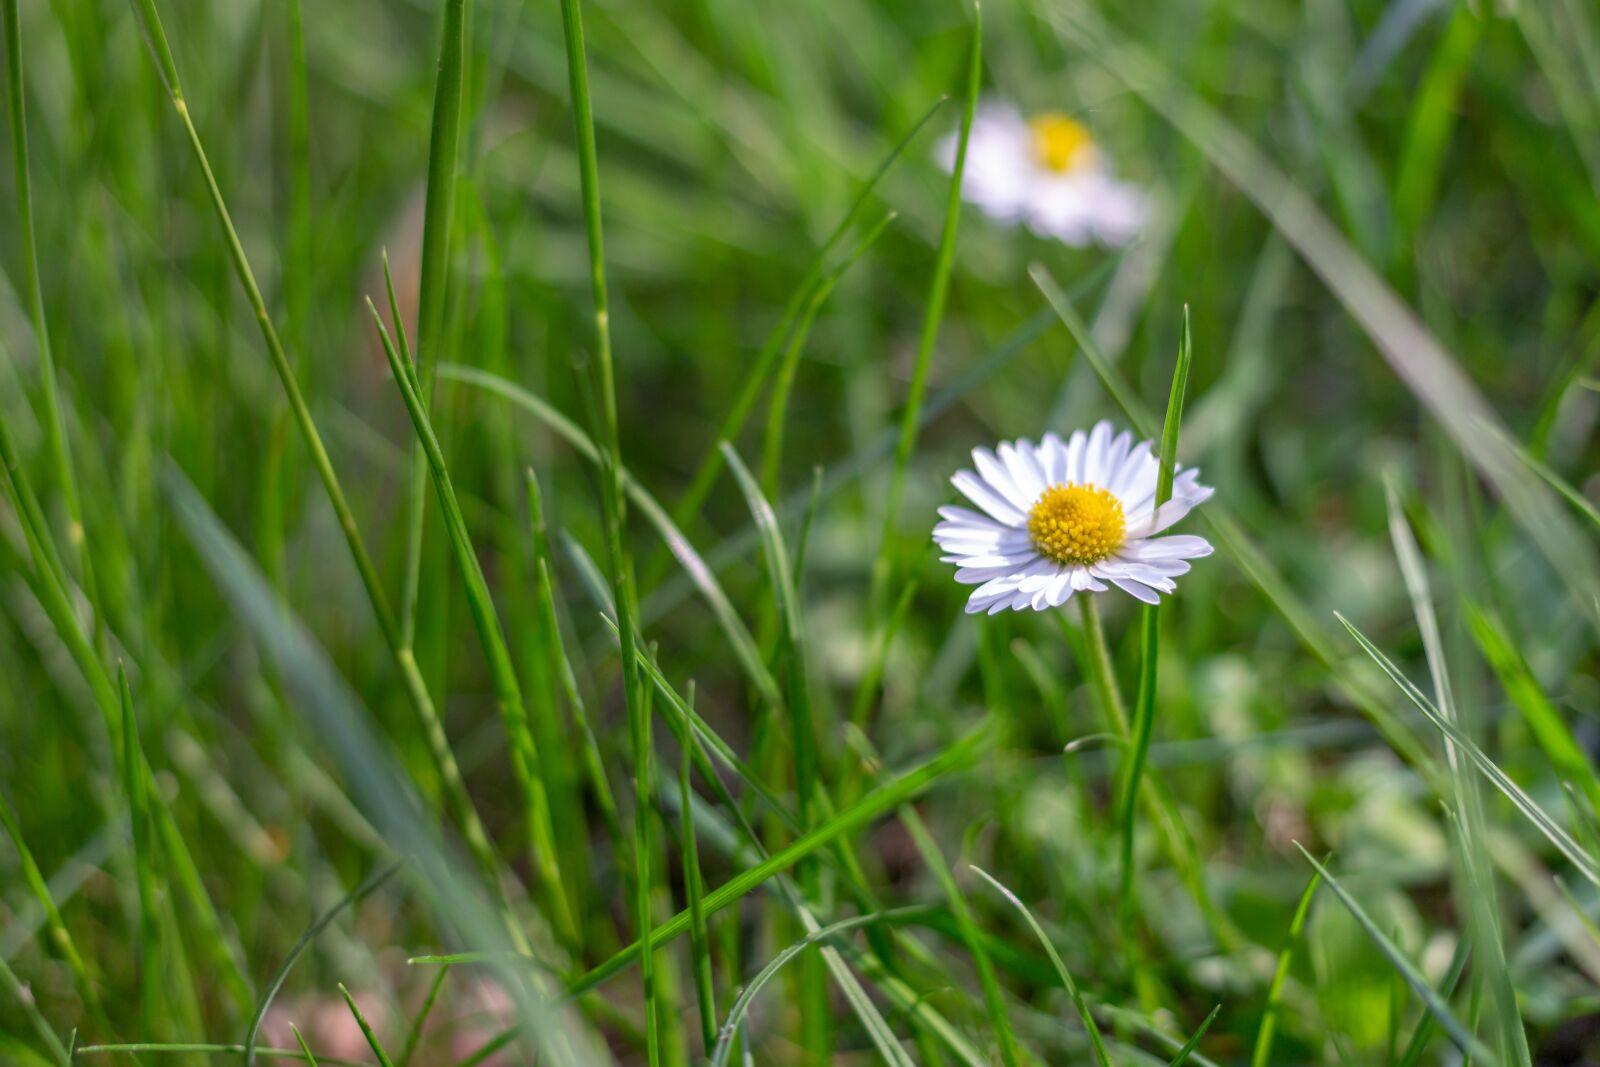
(24, 998)
(1101, 1057)
(444, 139)
(778, 402)
(508, 691)
(134, 784)
(1150, 638)
(477, 839)
(933, 315)
(694, 890)
(613, 506)
(59, 937)
(1261, 1055)
(59, 446)
(993, 999)
(545, 592)
(414, 1031)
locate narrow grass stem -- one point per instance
(613, 508)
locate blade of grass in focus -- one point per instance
(1150, 637)
(1459, 1033)
(613, 509)
(1261, 1055)
(444, 140)
(1580, 858)
(508, 691)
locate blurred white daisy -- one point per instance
(1048, 172)
(1069, 516)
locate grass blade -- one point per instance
(508, 691)
(56, 439)
(134, 776)
(613, 508)
(1101, 1056)
(1262, 1055)
(1552, 830)
(350, 899)
(366, 1030)
(444, 139)
(694, 890)
(994, 1000)
(1150, 635)
(1463, 1038)
(1194, 1042)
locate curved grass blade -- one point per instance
(1552, 830)
(694, 565)
(994, 1000)
(414, 1033)
(1463, 1037)
(741, 1004)
(1102, 1057)
(1144, 711)
(1262, 1055)
(350, 899)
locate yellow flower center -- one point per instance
(1058, 142)
(1076, 523)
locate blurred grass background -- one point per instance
(1455, 150)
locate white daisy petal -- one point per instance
(1053, 454)
(1024, 468)
(968, 517)
(1137, 591)
(1075, 447)
(1094, 457)
(979, 492)
(991, 470)
(1177, 546)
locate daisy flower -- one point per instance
(1063, 517)
(1047, 172)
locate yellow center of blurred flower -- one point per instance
(1076, 523)
(1059, 144)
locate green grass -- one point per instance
(545, 659)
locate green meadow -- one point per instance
(481, 580)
